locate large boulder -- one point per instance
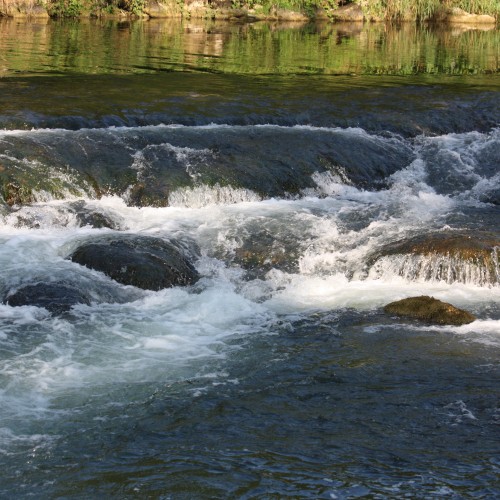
(455, 15)
(451, 256)
(143, 261)
(349, 13)
(429, 310)
(55, 297)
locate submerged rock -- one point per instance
(444, 256)
(143, 261)
(258, 258)
(430, 310)
(262, 245)
(55, 297)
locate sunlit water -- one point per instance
(281, 378)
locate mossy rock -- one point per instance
(429, 310)
(17, 194)
(23, 183)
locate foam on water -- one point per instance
(435, 268)
(202, 196)
(162, 337)
(299, 292)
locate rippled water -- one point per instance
(287, 159)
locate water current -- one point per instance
(292, 164)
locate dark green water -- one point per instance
(103, 47)
(287, 158)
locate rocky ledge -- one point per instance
(451, 256)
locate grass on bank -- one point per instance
(378, 9)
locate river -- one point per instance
(285, 159)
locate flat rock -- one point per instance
(429, 310)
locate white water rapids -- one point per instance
(50, 364)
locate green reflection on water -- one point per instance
(97, 47)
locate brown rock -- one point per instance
(448, 256)
(23, 8)
(459, 16)
(351, 13)
(429, 310)
(291, 16)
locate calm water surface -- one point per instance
(287, 158)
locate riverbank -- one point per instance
(447, 11)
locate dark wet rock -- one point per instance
(55, 297)
(88, 217)
(145, 167)
(449, 256)
(143, 261)
(429, 310)
(492, 196)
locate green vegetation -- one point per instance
(66, 8)
(372, 9)
(377, 9)
(491, 7)
(78, 8)
(424, 9)
(400, 9)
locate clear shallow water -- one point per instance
(281, 379)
